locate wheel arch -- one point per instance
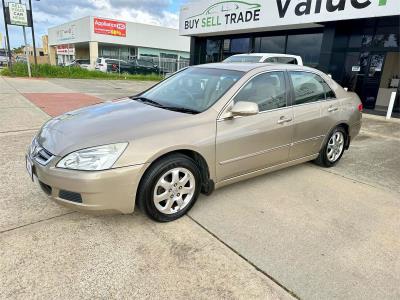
(207, 183)
(346, 127)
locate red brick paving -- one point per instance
(55, 104)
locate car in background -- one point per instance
(202, 128)
(102, 63)
(20, 59)
(81, 63)
(265, 58)
(3, 57)
(135, 66)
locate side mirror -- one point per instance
(244, 108)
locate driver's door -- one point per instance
(247, 144)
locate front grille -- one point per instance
(70, 196)
(39, 154)
(43, 156)
(45, 188)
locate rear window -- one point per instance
(83, 61)
(98, 61)
(282, 60)
(243, 59)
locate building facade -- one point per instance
(93, 37)
(356, 41)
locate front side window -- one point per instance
(193, 88)
(308, 87)
(268, 90)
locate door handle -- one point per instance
(332, 109)
(284, 120)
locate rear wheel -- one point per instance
(333, 150)
(169, 188)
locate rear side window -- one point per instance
(287, 60)
(268, 90)
(329, 93)
(308, 87)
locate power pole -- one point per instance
(33, 32)
(7, 38)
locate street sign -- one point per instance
(18, 14)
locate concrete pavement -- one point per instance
(306, 232)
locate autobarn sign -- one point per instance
(109, 27)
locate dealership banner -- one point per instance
(109, 27)
(65, 50)
(213, 16)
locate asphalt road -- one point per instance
(303, 232)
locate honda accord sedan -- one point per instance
(202, 128)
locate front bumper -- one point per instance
(111, 190)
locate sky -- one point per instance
(48, 13)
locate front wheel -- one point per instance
(169, 188)
(333, 150)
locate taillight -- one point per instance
(360, 107)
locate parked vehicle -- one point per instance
(82, 63)
(136, 66)
(265, 58)
(21, 59)
(202, 128)
(3, 57)
(103, 64)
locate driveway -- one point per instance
(303, 232)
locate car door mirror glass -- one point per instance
(244, 108)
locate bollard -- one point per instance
(391, 105)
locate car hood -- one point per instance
(102, 124)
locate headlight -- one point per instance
(93, 159)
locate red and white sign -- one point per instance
(109, 27)
(65, 50)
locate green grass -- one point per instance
(48, 71)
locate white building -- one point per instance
(93, 37)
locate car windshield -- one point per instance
(243, 59)
(194, 88)
(3, 53)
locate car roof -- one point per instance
(247, 67)
(266, 54)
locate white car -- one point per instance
(102, 63)
(82, 63)
(265, 58)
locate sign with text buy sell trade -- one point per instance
(109, 27)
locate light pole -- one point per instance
(33, 31)
(7, 38)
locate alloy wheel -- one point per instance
(174, 190)
(335, 146)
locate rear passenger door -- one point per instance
(308, 97)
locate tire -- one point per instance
(333, 150)
(169, 199)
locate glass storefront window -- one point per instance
(213, 51)
(270, 44)
(387, 37)
(308, 46)
(241, 45)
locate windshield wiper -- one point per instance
(147, 100)
(181, 109)
(174, 108)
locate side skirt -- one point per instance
(265, 171)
